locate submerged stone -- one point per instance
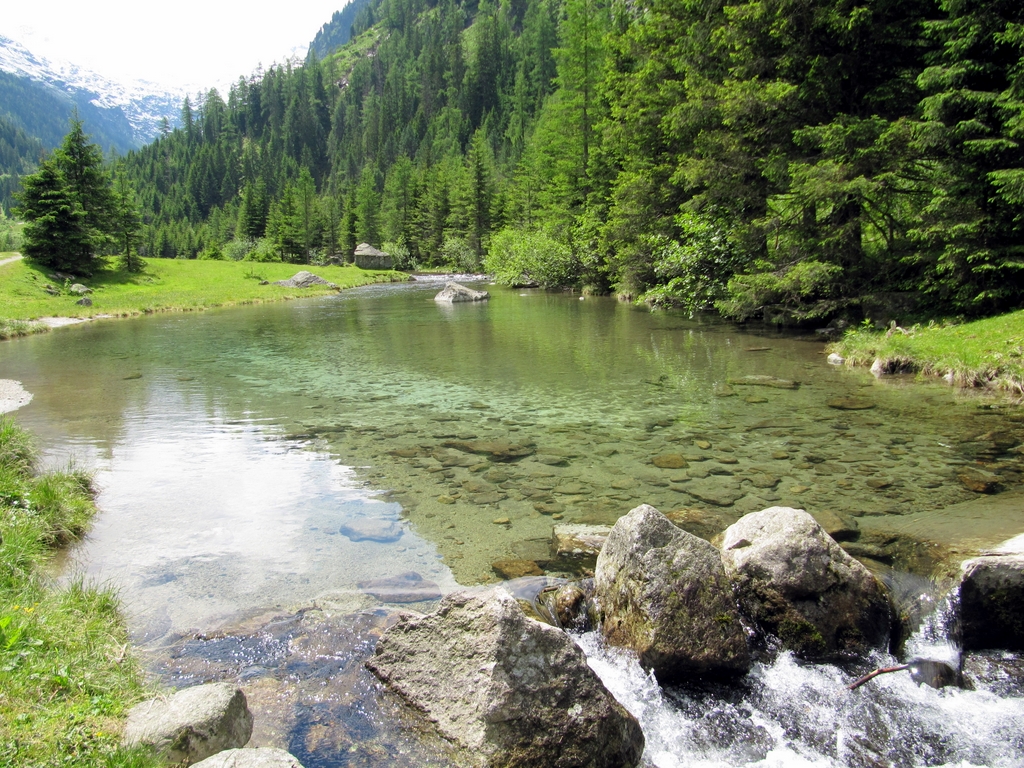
(669, 461)
(516, 569)
(371, 529)
(850, 403)
(764, 381)
(408, 587)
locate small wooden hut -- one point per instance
(368, 257)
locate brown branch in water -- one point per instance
(880, 671)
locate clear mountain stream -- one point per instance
(276, 480)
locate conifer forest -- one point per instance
(774, 158)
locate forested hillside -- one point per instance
(775, 158)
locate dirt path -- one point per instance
(8, 261)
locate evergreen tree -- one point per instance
(57, 233)
(125, 224)
(81, 163)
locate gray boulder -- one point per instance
(261, 757)
(992, 602)
(663, 592)
(799, 586)
(193, 724)
(509, 690)
(304, 279)
(79, 289)
(454, 292)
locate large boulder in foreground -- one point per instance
(799, 586)
(261, 757)
(509, 690)
(663, 592)
(454, 292)
(193, 724)
(992, 602)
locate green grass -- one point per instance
(164, 285)
(66, 676)
(987, 352)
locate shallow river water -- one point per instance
(262, 469)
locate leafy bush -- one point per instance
(400, 254)
(456, 254)
(263, 251)
(516, 257)
(238, 249)
(212, 253)
(801, 290)
(696, 267)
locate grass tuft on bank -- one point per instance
(987, 352)
(66, 676)
(29, 292)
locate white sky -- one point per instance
(182, 43)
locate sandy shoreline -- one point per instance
(13, 396)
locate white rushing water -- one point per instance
(789, 713)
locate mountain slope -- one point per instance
(338, 30)
(122, 115)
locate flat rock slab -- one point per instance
(453, 293)
(408, 587)
(193, 724)
(971, 527)
(495, 450)
(261, 757)
(764, 381)
(304, 279)
(669, 461)
(579, 542)
(516, 569)
(714, 492)
(369, 529)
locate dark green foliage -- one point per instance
(72, 211)
(338, 30)
(57, 233)
(773, 158)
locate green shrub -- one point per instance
(263, 251)
(517, 257)
(456, 254)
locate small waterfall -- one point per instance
(792, 713)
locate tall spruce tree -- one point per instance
(56, 231)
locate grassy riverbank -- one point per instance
(164, 285)
(987, 352)
(66, 676)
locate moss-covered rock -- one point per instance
(797, 585)
(663, 592)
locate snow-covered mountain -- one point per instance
(132, 111)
